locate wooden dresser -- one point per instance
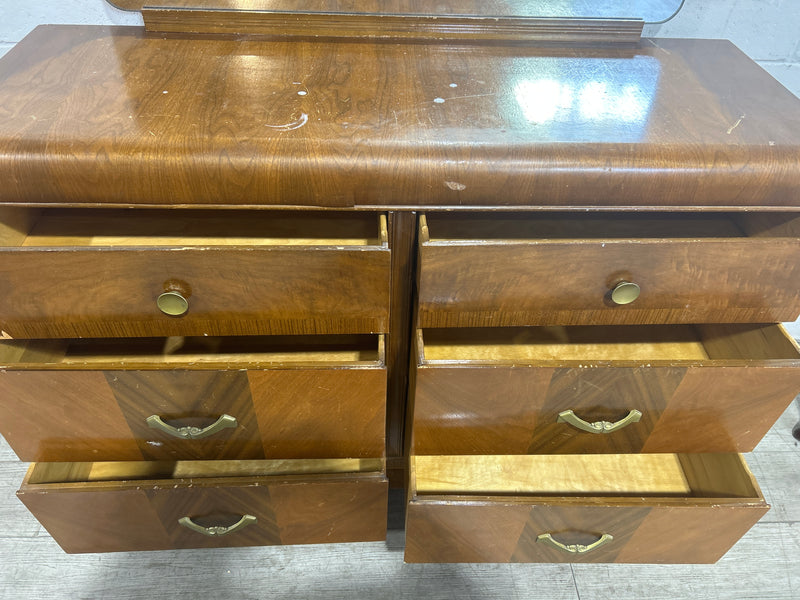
(246, 283)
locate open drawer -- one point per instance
(601, 389)
(498, 270)
(194, 398)
(111, 507)
(119, 273)
(662, 508)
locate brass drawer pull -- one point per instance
(548, 540)
(217, 531)
(625, 292)
(570, 417)
(192, 433)
(172, 304)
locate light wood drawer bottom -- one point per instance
(666, 508)
(109, 507)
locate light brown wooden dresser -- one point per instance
(246, 282)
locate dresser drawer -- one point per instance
(155, 398)
(662, 508)
(110, 507)
(497, 270)
(601, 389)
(119, 273)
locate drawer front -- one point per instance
(643, 509)
(524, 406)
(455, 530)
(516, 410)
(85, 414)
(498, 282)
(128, 273)
(238, 291)
(121, 516)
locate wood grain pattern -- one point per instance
(63, 416)
(320, 413)
(403, 246)
(509, 404)
(370, 129)
(322, 410)
(125, 516)
(513, 279)
(99, 275)
(458, 28)
(481, 528)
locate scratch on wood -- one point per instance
(735, 125)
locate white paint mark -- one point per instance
(155, 443)
(439, 100)
(302, 93)
(453, 85)
(5, 336)
(455, 186)
(165, 92)
(296, 124)
(297, 82)
(735, 125)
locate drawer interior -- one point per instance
(526, 227)
(159, 227)
(607, 343)
(194, 352)
(606, 475)
(88, 472)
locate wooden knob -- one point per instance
(625, 292)
(172, 304)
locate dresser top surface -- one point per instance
(99, 115)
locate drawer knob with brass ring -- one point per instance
(172, 304)
(217, 530)
(568, 416)
(549, 540)
(625, 292)
(192, 433)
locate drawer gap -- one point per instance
(609, 343)
(86, 472)
(235, 351)
(189, 228)
(627, 475)
(543, 226)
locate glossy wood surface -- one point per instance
(693, 528)
(501, 391)
(501, 270)
(99, 274)
(327, 410)
(328, 26)
(250, 123)
(143, 515)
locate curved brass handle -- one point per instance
(217, 530)
(172, 304)
(570, 417)
(192, 433)
(625, 292)
(548, 540)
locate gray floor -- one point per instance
(765, 564)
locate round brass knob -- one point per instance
(625, 292)
(172, 304)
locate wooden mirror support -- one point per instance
(601, 21)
